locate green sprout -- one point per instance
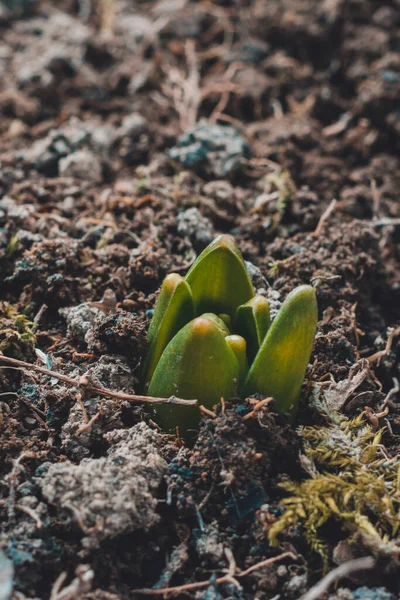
(211, 337)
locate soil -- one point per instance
(131, 135)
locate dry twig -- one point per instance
(343, 570)
(324, 217)
(29, 511)
(79, 587)
(207, 411)
(381, 353)
(184, 91)
(257, 407)
(229, 577)
(395, 389)
(108, 14)
(91, 388)
(374, 417)
(88, 425)
(385, 221)
(38, 316)
(12, 478)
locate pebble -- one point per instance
(192, 223)
(218, 149)
(83, 165)
(6, 576)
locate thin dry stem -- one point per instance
(235, 122)
(257, 407)
(265, 563)
(184, 90)
(374, 417)
(228, 578)
(88, 425)
(385, 221)
(83, 409)
(207, 411)
(344, 570)
(395, 389)
(78, 588)
(29, 511)
(381, 353)
(186, 93)
(95, 389)
(38, 316)
(324, 217)
(108, 14)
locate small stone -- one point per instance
(30, 422)
(81, 165)
(29, 501)
(282, 571)
(134, 29)
(16, 213)
(133, 126)
(47, 164)
(45, 153)
(68, 205)
(80, 320)
(17, 128)
(296, 586)
(6, 576)
(257, 278)
(57, 52)
(192, 223)
(216, 149)
(209, 545)
(274, 301)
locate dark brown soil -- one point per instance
(283, 106)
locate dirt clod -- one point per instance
(108, 497)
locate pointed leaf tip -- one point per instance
(174, 308)
(216, 319)
(239, 347)
(252, 321)
(218, 278)
(280, 364)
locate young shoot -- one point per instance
(211, 336)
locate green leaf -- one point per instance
(239, 347)
(174, 309)
(197, 363)
(221, 323)
(218, 278)
(226, 319)
(280, 365)
(252, 321)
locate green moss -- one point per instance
(352, 482)
(15, 330)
